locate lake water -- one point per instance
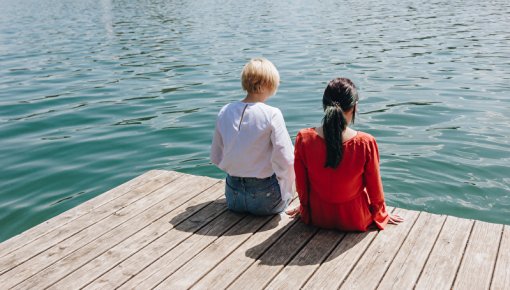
(94, 93)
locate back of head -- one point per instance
(259, 73)
(339, 96)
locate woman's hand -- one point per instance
(395, 219)
(293, 212)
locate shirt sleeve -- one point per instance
(217, 146)
(374, 186)
(302, 183)
(282, 157)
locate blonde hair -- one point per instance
(259, 73)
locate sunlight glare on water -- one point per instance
(94, 93)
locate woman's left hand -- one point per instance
(395, 219)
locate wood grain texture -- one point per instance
(410, 259)
(258, 275)
(243, 257)
(501, 277)
(443, 262)
(171, 261)
(336, 268)
(169, 230)
(201, 264)
(373, 264)
(304, 264)
(141, 232)
(87, 207)
(51, 238)
(479, 257)
(143, 258)
(81, 232)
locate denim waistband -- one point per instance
(237, 178)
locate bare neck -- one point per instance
(347, 134)
(256, 97)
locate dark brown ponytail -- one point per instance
(340, 95)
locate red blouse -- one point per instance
(349, 197)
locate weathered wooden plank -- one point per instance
(236, 263)
(168, 263)
(338, 265)
(341, 261)
(123, 239)
(129, 237)
(373, 264)
(39, 262)
(479, 257)
(304, 264)
(501, 277)
(58, 221)
(143, 258)
(443, 262)
(80, 224)
(410, 260)
(192, 271)
(258, 275)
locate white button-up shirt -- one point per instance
(251, 140)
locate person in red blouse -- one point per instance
(337, 168)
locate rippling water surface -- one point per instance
(94, 93)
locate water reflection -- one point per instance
(434, 84)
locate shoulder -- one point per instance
(225, 108)
(273, 114)
(273, 111)
(366, 141)
(365, 137)
(306, 134)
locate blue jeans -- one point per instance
(254, 195)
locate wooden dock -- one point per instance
(169, 230)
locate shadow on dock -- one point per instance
(285, 237)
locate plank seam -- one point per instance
(463, 254)
(230, 253)
(176, 245)
(497, 256)
(226, 256)
(47, 266)
(162, 215)
(196, 254)
(291, 225)
(129, 189)
(431, 250)
(169, 250)
(292, 257)
(361, 256)
(138, 250)
(400, 247)
(322, 262)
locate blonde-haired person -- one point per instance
(252, 145)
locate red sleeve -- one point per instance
(302, 185)
(374, 186)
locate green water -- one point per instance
(94, 93)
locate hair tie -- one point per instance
(336, 104)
